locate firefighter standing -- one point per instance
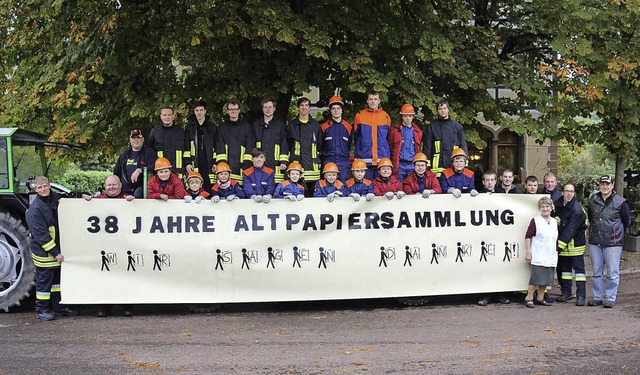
(42, 219)
(571, 245)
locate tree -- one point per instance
(593, 73)
(88, 72)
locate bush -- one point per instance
(84, 181)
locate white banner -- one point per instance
(150, 251)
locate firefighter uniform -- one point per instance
(271, 137)
(199, 149)
(42, 219)
(305, 142)
(168, 142)
(572, 225)
(258, 181)
(336, 145)
(441, 138)
(233, 146)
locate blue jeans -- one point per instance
(404, 169)
(608, 257)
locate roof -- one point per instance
(21, 137)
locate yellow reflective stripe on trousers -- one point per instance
(43, 296)
(55, 288)
(566, 276)
(581, 277)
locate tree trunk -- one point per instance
(619, 180)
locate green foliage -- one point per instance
(583, 165)
(84, 181)
(87, 73)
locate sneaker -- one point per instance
(66, 312)
(484, 301)
(45, 315)
(609, 304)
(504, 300)
(595, 302)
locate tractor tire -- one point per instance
(17, 271)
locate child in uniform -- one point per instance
(291, 188)
(329, 187)
(386, 184)
(225, 187)
(165, 184)
(357, 186)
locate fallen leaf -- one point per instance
(187, 334)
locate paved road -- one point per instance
(450, 336)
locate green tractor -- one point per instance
(22, 157)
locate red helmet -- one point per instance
(194, 174)
(458, 152)
(222, 167)
(407, 109)
(162, 163)
(421, 157)
(385, 162)
(330, 167)
(336, 100)
(358, 165)
(295, 166)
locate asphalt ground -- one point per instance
(450, 335)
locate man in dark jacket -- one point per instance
(572, 243)
(270, 135)
(167, 140)
(131, 164)
(442, 137)
(199, 145)
(305, 142)
(609, 216)
(42, 219)
(233, 142)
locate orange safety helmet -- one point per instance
(458, 152)
(336, 100)
(358, 165)
(385, 162)
(295, 166)
(162, 163)
(420, 157)
(194, 174)
(330, 167)
(407, 109)
(222, 167)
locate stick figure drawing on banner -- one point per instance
(296, 257)
(270, 258)
(323, 258)
(245, 259)
(156, 260)
(105, 261)
(219, 260)
(507, 252)
(407, 256)
(483, 252)
(434, 254)
(383, 257)
(131, 263)
(460, 252)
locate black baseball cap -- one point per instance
(135, 133)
